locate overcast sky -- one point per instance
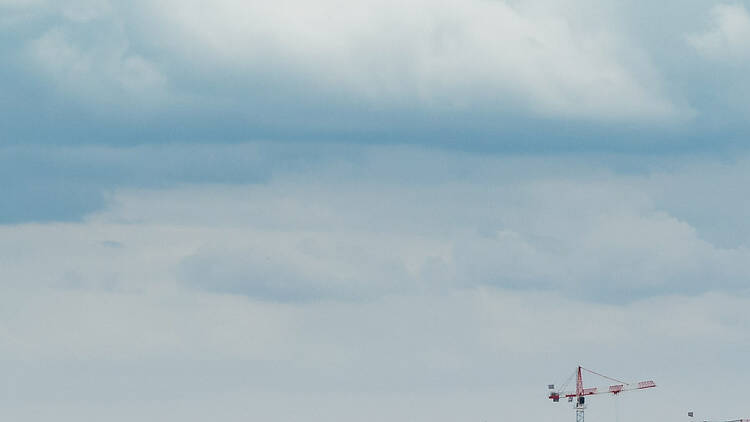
(414, 210)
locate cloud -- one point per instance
(531, 75)
(536, 243)
(451, 56)
(106, 75)
(15, 5)
(277, 269)
(130, 351)
(422, 284)
(375, 222)
(729, 37)
(66, 183)
(371, 222)
(364, 71)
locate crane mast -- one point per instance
(580, 399)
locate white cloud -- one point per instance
(729, 37)
(295, 241)
(86, 10)
(486, 57)
(21, 4)
(102, 72)
(390, 221)
(326, 233)
(446, 55)
(78, 11)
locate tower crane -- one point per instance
(578, 397)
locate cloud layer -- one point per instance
(420, 283)
(366, 210)
(375, 222)
(436, 72)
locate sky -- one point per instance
(414, 210)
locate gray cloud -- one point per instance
(377, 221)
(374, 222)
(542, 241)
(378, 277)
(485, 71)
(729, 37)
(100, 351)
(301, 272)
(66, 183)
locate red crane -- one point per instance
(580, 393)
